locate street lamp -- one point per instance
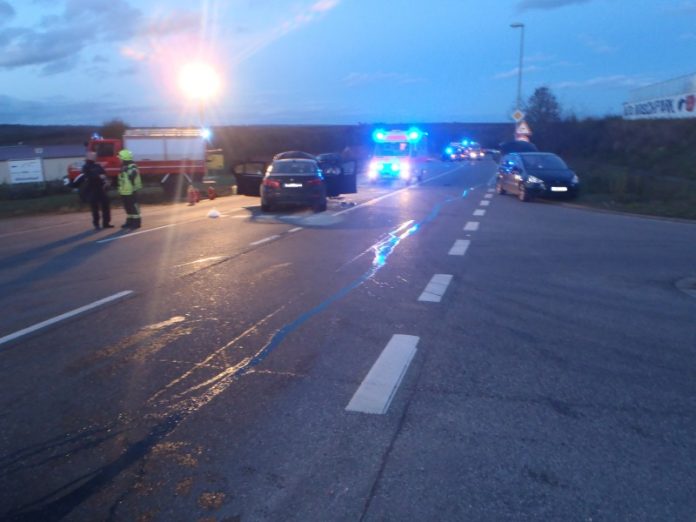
(518, 25)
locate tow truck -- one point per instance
(398, 155)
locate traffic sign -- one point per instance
(518, 115)
(523, 128)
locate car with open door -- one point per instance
(340, 173)
(293, 181)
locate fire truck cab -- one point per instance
(398, 155)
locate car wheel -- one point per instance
(499, 188)
(523, 194)
(320, 207)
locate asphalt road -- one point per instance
(430, 353)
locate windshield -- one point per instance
(543, 161)
(392, 149)
(293, 167)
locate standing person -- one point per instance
(93, 190)
(129, 183)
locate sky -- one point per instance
(85, 62)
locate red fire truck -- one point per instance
(172, 157)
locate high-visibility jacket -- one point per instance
(129, 179)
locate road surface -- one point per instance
(435, 352)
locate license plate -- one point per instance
(559, 189)
(293, 185)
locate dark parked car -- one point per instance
(531, 174)
(293, 182)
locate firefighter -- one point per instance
(93, 185)
(129, 183)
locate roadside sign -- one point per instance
(518, 115)
(523, 128)
(26, 171)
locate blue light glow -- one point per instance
(379, 135)
(206, 133)
(449, 150)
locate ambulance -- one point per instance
(398, 155)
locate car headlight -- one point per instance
(534, 179)
(575, 180)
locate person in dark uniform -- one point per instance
(93, 184)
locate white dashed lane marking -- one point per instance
(436, 288)
(488, 196)
(479, 212)
(471, 226)
(460, 247)
(379, 386)
(484, 203)
(264, 240)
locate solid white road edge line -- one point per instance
(436, 288)
(379, 386)
(480, 212)
(62, 317)
(459, 248)
(485, 202)
(471, 226)
(264, 240)
(296, 229)
(133, 234)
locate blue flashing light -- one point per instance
(96, 136)
(206, 134)
(395, 167)
(414, 134)
(379, 135)
(449, 150)
(465, 142)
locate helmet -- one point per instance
(125, 155)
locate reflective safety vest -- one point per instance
(129, 179)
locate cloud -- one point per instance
(6, 12)
(56, 40)
(323, 6)
(526, 5)
(682, 8)
(597, 45)
(512, 73)
(615, 81)
(360, 79)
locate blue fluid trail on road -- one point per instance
(383, 250)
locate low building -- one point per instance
(671, 99)
(31, 164)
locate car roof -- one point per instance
(293, 154)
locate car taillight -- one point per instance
(271, 183)
(313, 182)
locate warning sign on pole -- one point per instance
(523, 128)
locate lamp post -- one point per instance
(518, 25)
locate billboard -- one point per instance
(666, 107)
(26, 171)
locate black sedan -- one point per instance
(532, 174)
(293, 182)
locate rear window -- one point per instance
(292, 167)
(543, 161)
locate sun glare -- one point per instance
(199, 81)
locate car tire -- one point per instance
(523, 194)
(320, 207)
(499, 188)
